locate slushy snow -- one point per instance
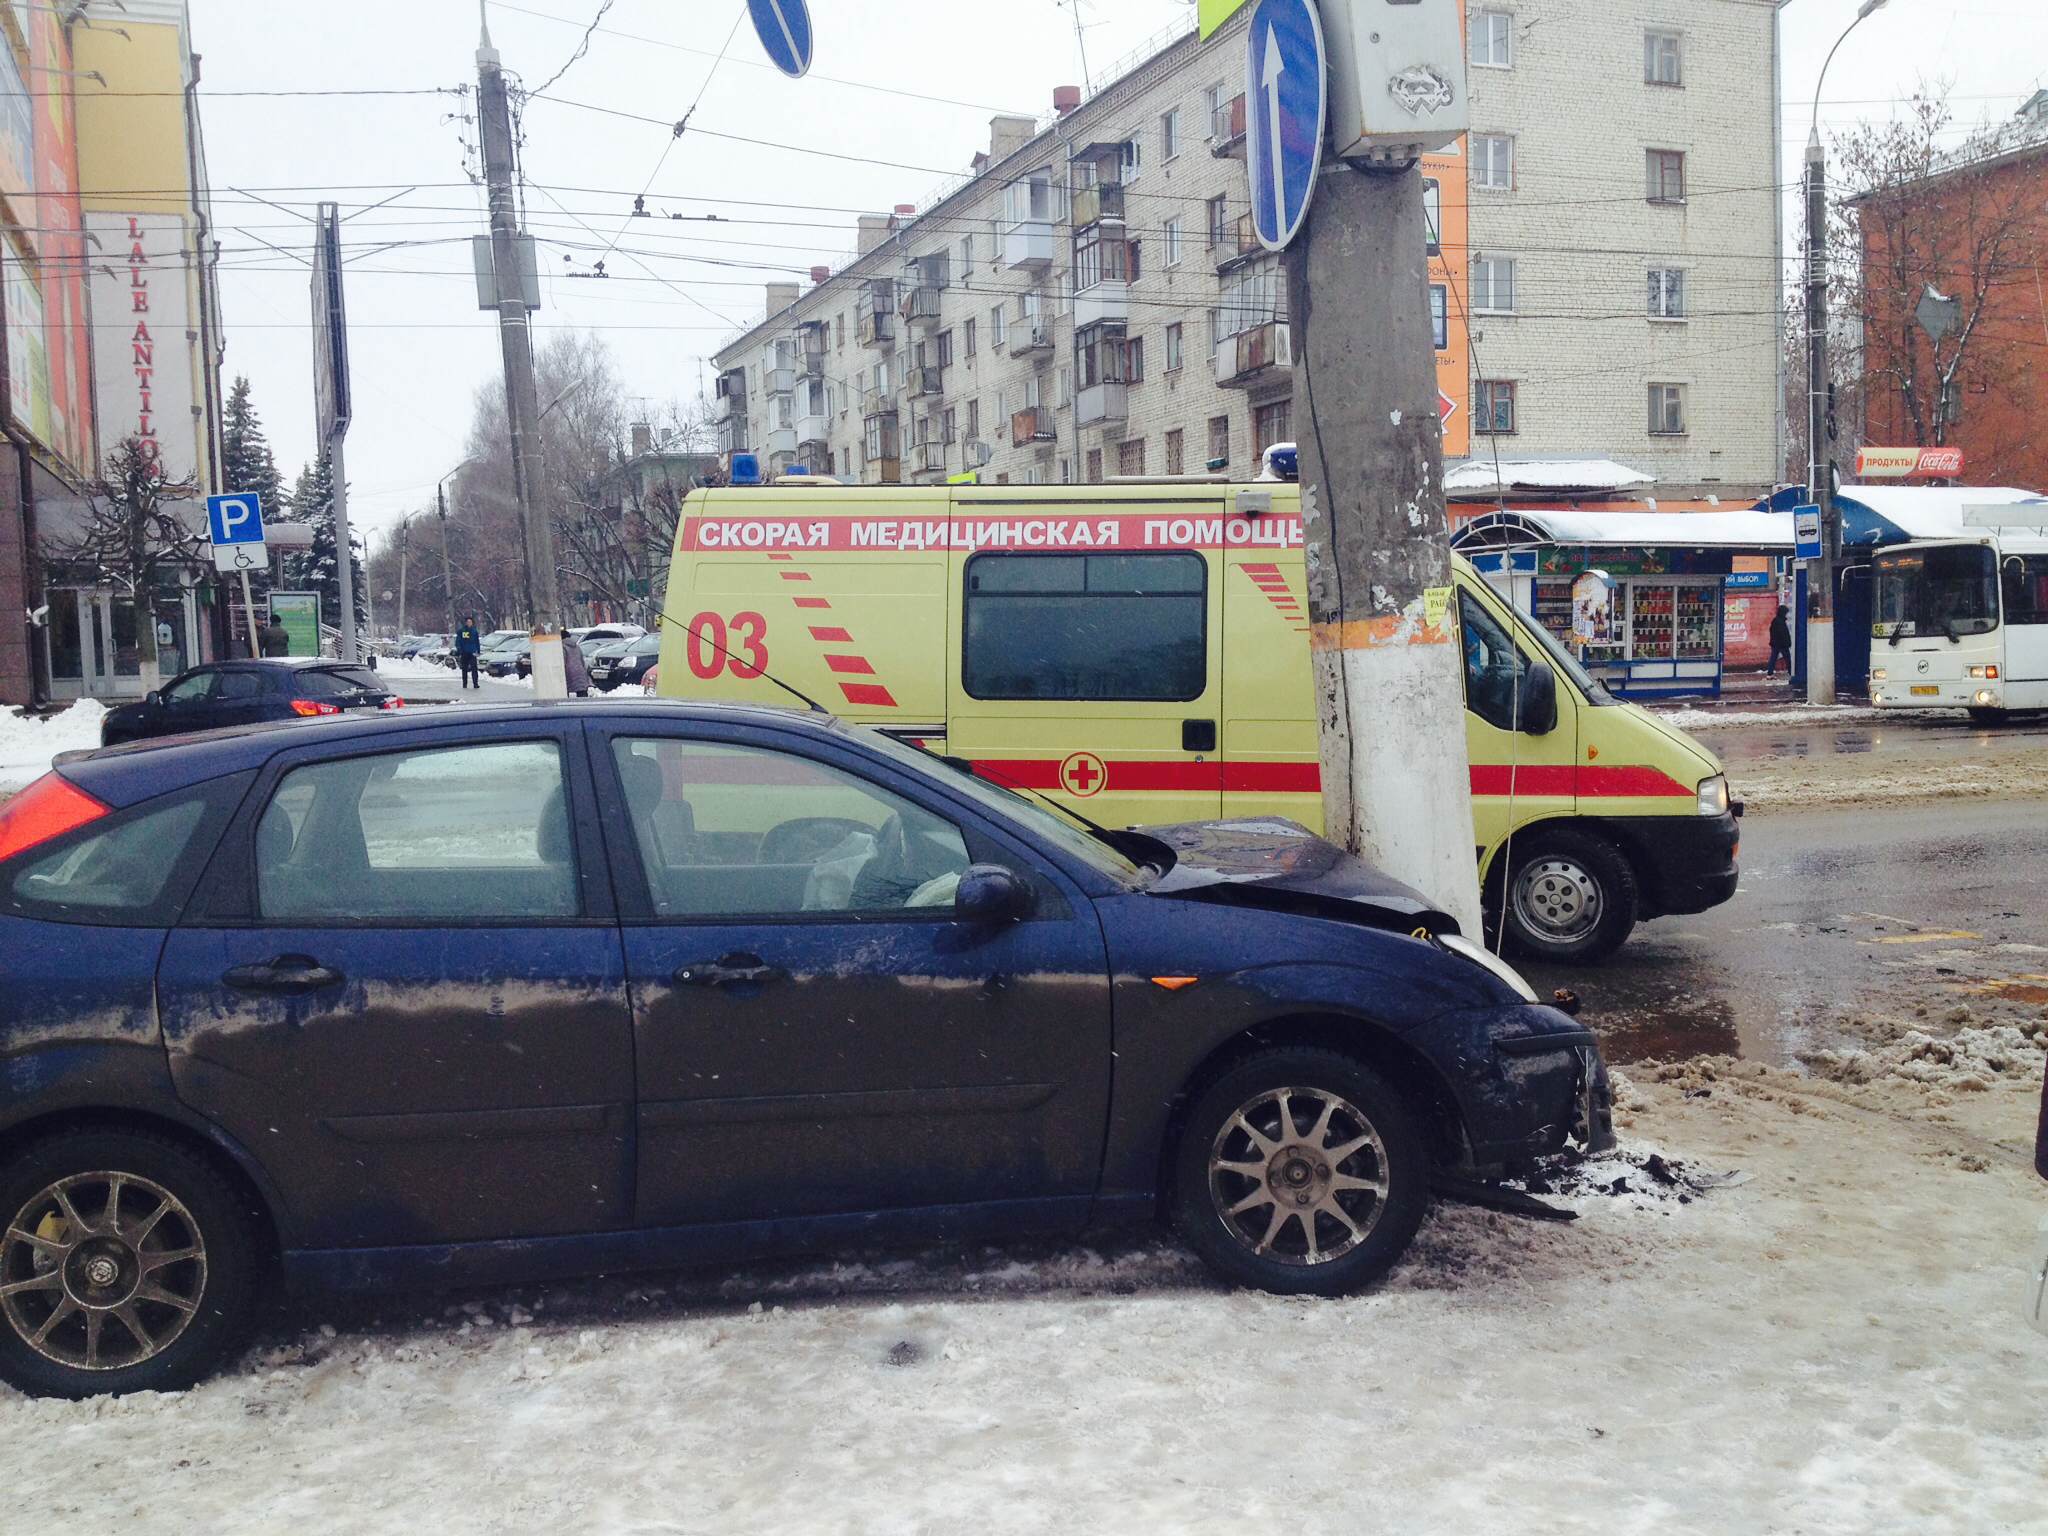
(29, 742)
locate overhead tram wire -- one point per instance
(582, 48)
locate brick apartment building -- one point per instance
(1089, 301)
(1975, 229)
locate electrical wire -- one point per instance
(582, 47)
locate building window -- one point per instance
(970, 337)
(1219, 441)
(1137, 264)
(1173, 242)
(1439, 316)
(1102, 259)
(1093, 471)
(1661, 59)
(1493, 407)
(966, 257)
(1219, 221)
(1174, 356)
(1130, 456)
(1133, 159)
(1103, 354)
(1667, 410)
(1493, 285)
(1493, 39)
(1169, 133)
(973, 420)
(948, 427)
(842, 333)
(1271, 424)
(1212, 103)
(1667, 293)
(1035, 622)
(1135, 350)
(1432, 216)
(945, 349)
(1215, 329)
(1493, 162)
(1666, 175)
(1176, 452)
(998, 327)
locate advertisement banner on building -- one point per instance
(142, 362)
(1446, 191)
(299, 613)
(28, 363)
(1908, 463)
(67, 336)
(1216, 12)
(17, 137)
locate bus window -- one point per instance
(2026, 589)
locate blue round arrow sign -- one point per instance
(785, 28)
(1286, 101)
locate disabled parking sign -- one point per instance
(235, 522)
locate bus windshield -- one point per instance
(1944, 590)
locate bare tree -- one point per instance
(136, 529)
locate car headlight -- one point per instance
(1714, 795)
(1487, 960)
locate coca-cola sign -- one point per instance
(1908, 463)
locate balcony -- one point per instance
(1238, 246)
(729, 395)
(923, 383)
(1108, 300)
(732, 435)
(1031, 338)
(1100, 404)
(1250, 358)
(1102, 203)
(1027, 243)
(813, 428)
(778, 381)
(877, 328)
(1226, 130)
(921, 305)
(1029, 426)
(884, 472)
(779, 441)
(876, 403)
(928, 458)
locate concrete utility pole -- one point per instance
(522, 406)
(447, 567)
(1390, 688)
(404, 549)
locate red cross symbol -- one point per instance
(1082, 774)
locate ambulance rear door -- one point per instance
(1088, 661)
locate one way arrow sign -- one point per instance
(1286, 69)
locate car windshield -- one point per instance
(1564, 661)
(647, 645)
(1040, 817)
(1942, 590)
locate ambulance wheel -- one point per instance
(1569, 897)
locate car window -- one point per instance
(470, 834)
(1124, 627)
(732, 831)
(190, 688)
(106, 875)
(320, 683)
(646, 645)
(238, 685)
(1493, 667)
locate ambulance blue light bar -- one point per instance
(1281, 462)
(746, 469)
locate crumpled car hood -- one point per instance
(1271, 862)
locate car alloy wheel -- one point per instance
(1298, 1176)
(101, 1271)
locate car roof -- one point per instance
(121, 776)
(278, 664)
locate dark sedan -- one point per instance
(624, 663)
(523, 992)
(248, 693)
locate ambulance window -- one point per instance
(1086, 627)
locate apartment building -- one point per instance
(1090, 301)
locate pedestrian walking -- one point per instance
(1781, 644)
(468, 645)
(574, 668)
(275, 641)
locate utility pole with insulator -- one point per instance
(522, 401)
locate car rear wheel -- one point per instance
(1300, 1171)
(127, 1264)
(1570, 897)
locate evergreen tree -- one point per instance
(319, 568)
(246, 461)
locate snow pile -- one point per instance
(1691, 718)
(29, 742)
(404, 668)
(1971, 1060)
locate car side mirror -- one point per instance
(153, 698)
(1538, 712)
(989, 894)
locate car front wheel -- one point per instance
(127, 1264)
(1570, 897)
(1300, 1171)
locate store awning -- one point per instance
(1480, 476)
(1763, 533)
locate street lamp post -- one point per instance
(441, 512)
(1820, 478)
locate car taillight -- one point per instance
(312, 707)
(48, 808)
(394, 702)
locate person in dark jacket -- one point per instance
(468, 645)
(1781, 644)
(575, 670)
(274, 640)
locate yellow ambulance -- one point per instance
(1140, 652)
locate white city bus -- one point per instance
(1962, 623)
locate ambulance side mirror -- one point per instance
(1538, 708)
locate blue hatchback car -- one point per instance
(512, 993)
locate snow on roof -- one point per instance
(1477, 475)
(1934, 511)
(1765, 532)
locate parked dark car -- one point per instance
(624, 663)
(511, 658)
(246, 693)
(523, 992)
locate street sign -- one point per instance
(235, 522)
(1286, 80)
(1908, 463)
(785, 28)
(1806, 532)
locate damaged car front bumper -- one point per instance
(1533, 1084)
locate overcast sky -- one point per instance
(419, 345)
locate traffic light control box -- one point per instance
(1397, 77)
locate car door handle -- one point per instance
(286, 973)
(732, 971)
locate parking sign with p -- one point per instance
(236, 524)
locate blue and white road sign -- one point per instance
(1286, 100)
(785, 28)
(236, 518)
(1806, 532)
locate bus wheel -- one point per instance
(1570, 897)
(1987, 717)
